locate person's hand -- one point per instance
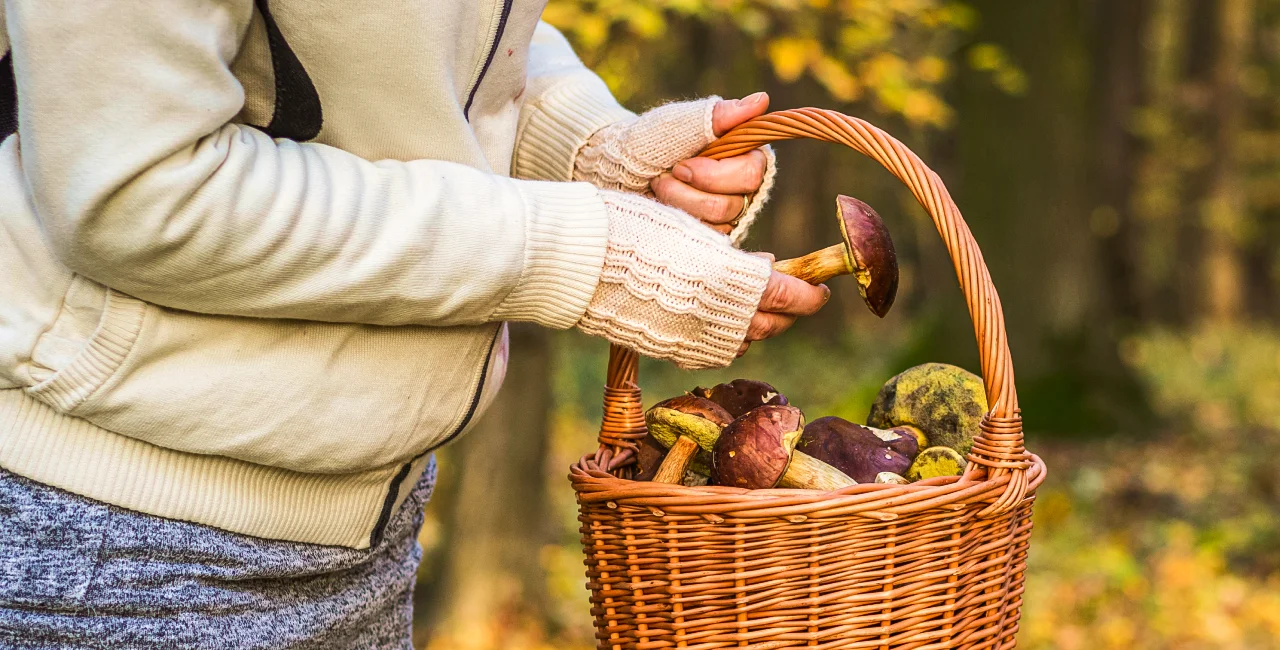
(785, 299)
(718, 191)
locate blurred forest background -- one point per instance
(1119, 163)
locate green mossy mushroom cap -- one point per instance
(945, 402)
(687, 415)
(934, 462)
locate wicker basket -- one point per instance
(934, 564)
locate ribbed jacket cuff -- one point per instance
(567, 232)
(559, 123)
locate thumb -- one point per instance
(729, 113)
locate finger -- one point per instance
(787, 295)
(729, 113)
(742, 349)
(712, 208)
(767, 325)
(737, 175)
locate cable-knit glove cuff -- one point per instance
(672, 288)
(627, 155)
(739, 232)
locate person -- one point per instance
(257, 259)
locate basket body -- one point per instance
(943, 577)
(935, 564)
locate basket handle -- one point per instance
(998, 451)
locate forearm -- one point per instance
(565, 104)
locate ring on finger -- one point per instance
(746, 205)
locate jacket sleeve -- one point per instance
(565, 103)
(143, 184)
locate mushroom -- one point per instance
(866, 252)
(891, 478)
(934, 462)
(741, 395)
(943, 401)
(757, 451)
(684, 424)
(649, 458)
(861, 452)
(649, 455)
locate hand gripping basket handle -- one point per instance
(998, 451)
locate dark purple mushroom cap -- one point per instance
(699, 406)
(856, 450)
(875, 264)
(741, 395)
(649, 458)
(754, 450)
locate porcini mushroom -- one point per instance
(684, 424)
(943, 401)
(861, 452)
(934, 462)
(741, 395)
(757, 451)
(866, 252)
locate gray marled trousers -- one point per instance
(76, 573)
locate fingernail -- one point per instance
(753, 98)
(826, 294)
(683, 173)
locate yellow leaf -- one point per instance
(923, 107)
(932, 69)
(836, 79)
(790, 56)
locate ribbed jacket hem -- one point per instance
(561, 122)
(72, 454)
(567, 232)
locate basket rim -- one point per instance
(884, 502)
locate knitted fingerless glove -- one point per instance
(627, 155)
(672, 288)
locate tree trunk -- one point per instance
(1185, 291)
(1224, 211)
(488, 581)
(1120, 71)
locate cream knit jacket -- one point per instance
(255, 256)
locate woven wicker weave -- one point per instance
(934, 564)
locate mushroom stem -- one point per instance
(677, 462)
(819, 266)
(809, 473)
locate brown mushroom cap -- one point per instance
(856, 450)
(874, 262)
(649, 457)
(754, 450)
(741, 395)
